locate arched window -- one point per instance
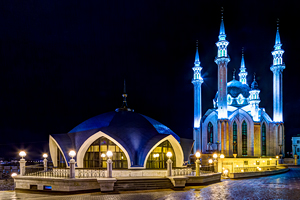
(244, 138)
(234, 127)
(210, 133)
(263, 140)
(60, 159)
(158, 157)
(93, 158)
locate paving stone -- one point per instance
(281, 186)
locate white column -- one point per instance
(109, 168)
(22, 166)
(197, 167)
(169, 167)
(72, 168)
(45, 164)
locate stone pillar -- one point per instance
(45, 164)
(22, 166)
(197, 167)
(109, 168)
(296, 159)
(169, 167)
(220, 165)
(72, 168)
(215, 165)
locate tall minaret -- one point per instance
(243, 74)
(197, 81)
(222, 60)
(277, 69)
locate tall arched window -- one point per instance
(234, 127)
(158, 157)
(263, 140)
(210, 133)
(93, 158)
(244, 138)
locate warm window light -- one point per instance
(45, 155)
(210, 161)
(102, 155)
(198, 155)
(22, 154)
(109, 154)
(169, 154)
(222, 156)
(14, 174)
(72, 153)
(215, 155)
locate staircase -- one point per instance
(142, 184)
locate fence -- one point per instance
(51, 172)
(89, 173)
(252, 169)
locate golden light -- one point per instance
(222, 156)
(215, 155)
(254, 163)
(102, 155)
(242, 170)
(223, 168)
(72, 153)
(277, 157)
(45, 155)
(109, 154)
(169, 154)
(259, 169)
(14, 174)
(198, 154)
(210, 161)
(270, 158)
(226, 172)
(22, 154)
(263, 161)
(237, 166)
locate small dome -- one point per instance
(234, 88)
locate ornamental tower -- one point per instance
(243, 74)
(277, 69)
(197, 81)
(254, 100)
(222, 60)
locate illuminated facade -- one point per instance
(236, 124)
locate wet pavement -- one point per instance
(281, 186)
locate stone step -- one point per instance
(143, 184)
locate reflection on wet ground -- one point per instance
(281, 186)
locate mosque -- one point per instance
(236, 125)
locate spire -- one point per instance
(233, 74)
(254, 85)
(124, 106)
(243, 74)
(197, 60)
(222, 34)
(277, 40)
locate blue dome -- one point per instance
(135, 132)
(234, 88)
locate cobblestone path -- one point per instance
(281, 186)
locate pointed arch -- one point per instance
(263, 139)
(210, 133)
(234, 137)
(244, 138)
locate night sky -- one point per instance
(63, 62)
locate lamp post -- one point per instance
(109, 164)
(169, 164)
(45, 161)
(22, 162)
(220, 163)
(198, 163)
(72, 162)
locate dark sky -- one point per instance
(63, 62)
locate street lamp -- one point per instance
(45, 161)
(22, 154)
(109, 162)
(169, 155)
(72, 154)
(169, 164)
(45, 155)
(13, 175)
(215, 156)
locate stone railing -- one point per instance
(253, 169)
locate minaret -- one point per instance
(254, 100)
(222, 60)
(277, 69)
(197, 81)
(243, 74)
(124, 106)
